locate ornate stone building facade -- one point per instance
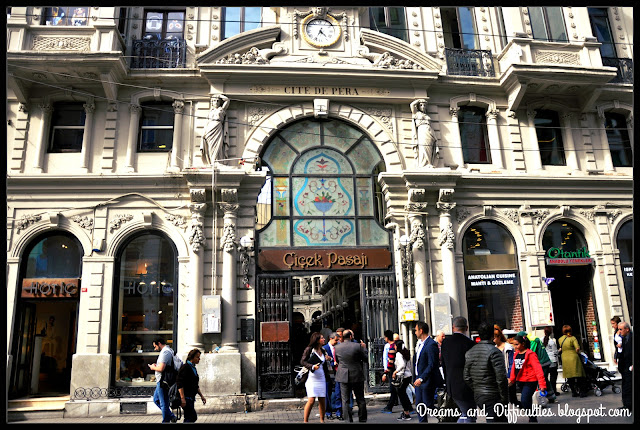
(423, 162)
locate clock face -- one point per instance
(321, 32)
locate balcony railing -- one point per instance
(468, 62)
(159, 54)
(625, 69)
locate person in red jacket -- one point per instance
(527, 372)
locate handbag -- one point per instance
(397, 381)
(559, 353)
(302, 375)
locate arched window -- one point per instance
(624, 243)
(146, 306)
(55, 256)
(322, 189)
(491, 274)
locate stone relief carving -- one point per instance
(556, 57)
(387, 61)
(255, 114)
(118, 220)
(447, 237)
(177, 220)
(512, 214)
(198, 195)
(196, 233)
(84, 222)
(26, 220)
(61, 43)
(254, 56)
(228, 239)
(537, 215)
(383, 114)
(417, 234)
(462, 213)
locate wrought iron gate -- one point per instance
(275, 368)
(379, 313)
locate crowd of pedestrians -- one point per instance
(473, 374)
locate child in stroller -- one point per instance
(598, 378)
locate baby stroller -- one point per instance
(597, 378)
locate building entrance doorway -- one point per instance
(44, 348)
(364, 303)
(573, 303)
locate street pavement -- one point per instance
(566, 410)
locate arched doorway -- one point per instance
(47, 316)
(491, 276)
(321, 214)
(145, 308)
(569, 273)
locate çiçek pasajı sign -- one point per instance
(556, 256)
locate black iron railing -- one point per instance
(469, 62)
(96, 393)
(159, 54)
(624, 67)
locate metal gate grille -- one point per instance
(275, 369)
(379, 303)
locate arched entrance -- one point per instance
(322, 213)
(47, 316)
(569, 273)
(624, 243)
(145, 309)
(491, 276)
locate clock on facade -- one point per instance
(320, 32)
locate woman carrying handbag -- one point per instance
(401, 378)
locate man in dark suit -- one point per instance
(454, 348)
(427, 370)
(333, 401)
(351, 356)
(625, 365)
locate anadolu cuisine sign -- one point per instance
(556, 256)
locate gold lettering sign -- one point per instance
(50, 288)
(315, 259)
(311, 90)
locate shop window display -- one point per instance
(146, 303)
(491, 275)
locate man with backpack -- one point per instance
(165, 369)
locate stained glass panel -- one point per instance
(324, 232)
(340, 135)
(279, 156)
(276, 234)
(302, 135)
(364, 196)
(372, 234)
(364, 157)
(281, 196)
(323, 196)
(322, 162)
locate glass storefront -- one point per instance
(624, 244)
(146, 306)
(491, 276)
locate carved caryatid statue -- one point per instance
(213, 137)
(424, 139)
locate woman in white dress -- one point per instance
(315, 359)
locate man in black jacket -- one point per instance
(485, 373)
(453, 349)
(625, 364)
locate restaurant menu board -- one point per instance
(540, 309)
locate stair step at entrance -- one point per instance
(38, 403)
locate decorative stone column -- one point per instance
(535, 159)
(134, 120)
(416, 208)
(178, 109)
(447, 243)
(494, 139)
(198, 208)
(43, 136)
(456, 147)
(85, 153)
(569, 146)
(228, 246)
